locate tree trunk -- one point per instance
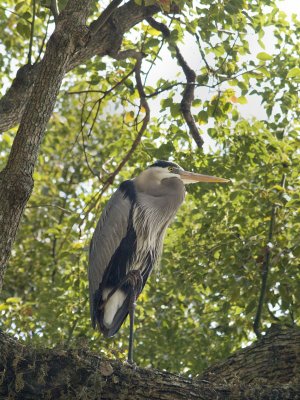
(16, 180)
(32, 98)
(107, 40)
(268, 369)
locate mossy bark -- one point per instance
(269, 369)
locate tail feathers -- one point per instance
(110, 316)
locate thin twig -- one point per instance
(109, 181)
(50, 205)
(228, 53)
(98, 103)
(104, 92)
(87, 91)
(82, 125)
(188, 93)
(145, 106)
(86, 156)
(43, 42)
(14, 13)
(152, 62)
(31, 32)
(213, 86)
(266, 267)
(208, 67)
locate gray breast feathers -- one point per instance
(151, 217)
(110, 230)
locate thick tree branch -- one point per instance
(106, 40)
(274, 359)
(97, 25)
(54, 9)
(188, 93)
(266, 370)
(16, 181)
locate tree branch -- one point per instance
(265, 370)
(16, 180)
(143, 105)
(54, 9)
(188, 93)
(266, 267)
(98, 24)
(31, 32)
(106, 40)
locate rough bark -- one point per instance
(106, 40)
(275, 358)
(16, 180)
(32, 96)
(28, 373)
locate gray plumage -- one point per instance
(148, 213)
(109, 232)
(128, 241)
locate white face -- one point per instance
(163, 173)
(157, 174)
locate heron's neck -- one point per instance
(154, 184)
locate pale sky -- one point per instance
(168, 69)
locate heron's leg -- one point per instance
(136, 282)
(131, 327)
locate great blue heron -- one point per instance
(128, 241)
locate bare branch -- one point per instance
(49, 205)
(15, 13)
(31, 31)
(43, 42)
(188, 93)
(145, 106)
(266, 267)
(106, 41)
(54, 9)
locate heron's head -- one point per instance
(166, 169)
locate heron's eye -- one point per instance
(170, 169)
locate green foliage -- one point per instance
(200, 305)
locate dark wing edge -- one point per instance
(124, 310)
(110, 230)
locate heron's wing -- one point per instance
(111, 229)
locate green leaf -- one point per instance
(242, 100)
(13, 300)
(294, 73)
(264, 56)
(202, 117)
(265, 71)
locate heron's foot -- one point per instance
(131, 364)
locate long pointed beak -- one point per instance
(191, 177)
